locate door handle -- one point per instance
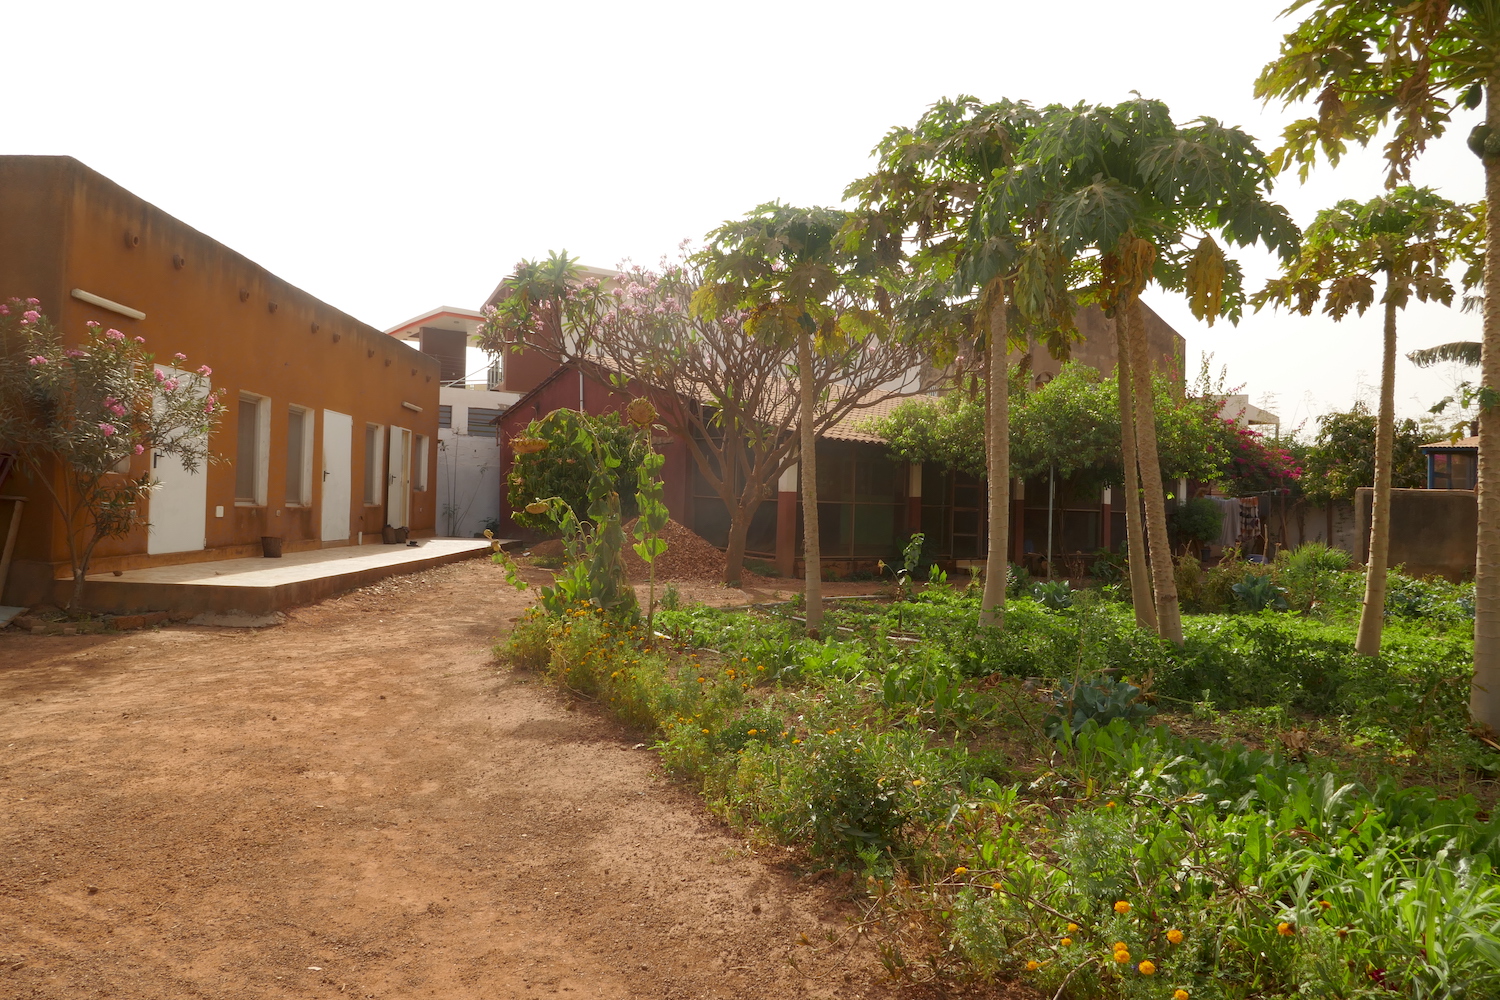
(325, 475)
(155, 457)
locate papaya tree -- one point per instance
(1148, 195)
(1400, 68)
(975, 281)
(787, 270)
(1406, 240)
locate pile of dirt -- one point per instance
(689, 557)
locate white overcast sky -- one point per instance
(391, 158)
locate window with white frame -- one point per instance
(374, 468)
(252, 446)
(419, 464)
(299, 449)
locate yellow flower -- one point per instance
(1065, 942)
(1175, 936)
(1120, 946)
(751, 732)
(703, 731)
(996, 886)
(916, 782)
(1122, 907)
(1147, 968)
(796, 741)
(1285, 929)
(1072, 928)
(959, 870)
(1325, 904)
(1180, 994)
(1122, 957)
(1033, 965)
(1110, 804)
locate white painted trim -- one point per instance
(413, 407)
(374, 484)
(262, 447)
(309, 417)
(103, 303)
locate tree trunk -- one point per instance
(1484, 698)
(734, 554)
(997, 453)
(1372, 615)
(1135, 539)
(1164, 583)
(812, 554)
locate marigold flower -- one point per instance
(1033, 965)
(751, 732)
(996, 886)
(1180, 994)
(1122, 907)
(703, 731)
(1110, 804)
(1119, 946)
(1072, 928)
(1147, 968)
(1065, 942)
(1285, 929)
(959, 870)
(1122, 957)
(1325, 904)
(1175, 936)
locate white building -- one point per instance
(470, 402)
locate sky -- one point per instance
(391, 158)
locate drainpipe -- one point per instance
(1051, 500)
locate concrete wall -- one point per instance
(1433, 532)
(65, 226)
(1097, 349)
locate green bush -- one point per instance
(561, 469)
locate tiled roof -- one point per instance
(853, 426)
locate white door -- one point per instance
(398, 476)
(178, 509)
(338, 444)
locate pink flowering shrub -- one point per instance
(88, 410)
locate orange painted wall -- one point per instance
(64, 226)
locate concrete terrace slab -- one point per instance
(261, 586)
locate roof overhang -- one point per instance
(441, 318)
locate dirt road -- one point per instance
(362, 803)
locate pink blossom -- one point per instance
(180, 357)
(139, 448)
(38, 360)
(140, 340)
(74, 352)
(33, 302)
(117, 410)
(161, 376)
(208, 405)
(170, 384)
(30, 316)
(205, 370)
(93, 324)
(108, 429)
(4, 310)
(114, 335)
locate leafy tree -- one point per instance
(552, 460)
(1410, 237)
(977, 278)
(1410, 64)
(799, 284)
(1342, 456)
(1148, 195)
(77, 418)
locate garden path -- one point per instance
(361, 803)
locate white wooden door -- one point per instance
(398, 478)
(178, 508)
(338, 446)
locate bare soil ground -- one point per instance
(362, 803)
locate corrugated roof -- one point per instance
(1462, 444)
(852, 426)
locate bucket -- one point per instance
(270, 546)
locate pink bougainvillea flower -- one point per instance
(205, 370)
(139, 448)
(180, 357)
(38, 360)
(108, 429)
(30, 316)
(114, 334)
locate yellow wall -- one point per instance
(63, 226)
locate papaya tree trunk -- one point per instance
(1372, 614)
(1135, 540)
(812, 554)
(1484, 698)
(997, 440)
(1163, 580)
